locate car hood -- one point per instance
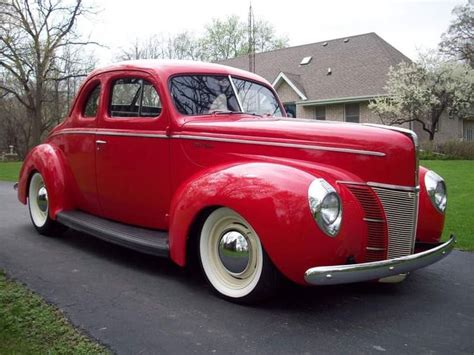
(373, 153)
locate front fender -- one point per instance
(273, 199)
(430, 220)
(49, 161)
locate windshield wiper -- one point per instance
(224, 112)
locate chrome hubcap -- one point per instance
(42, 199)
(234, 252)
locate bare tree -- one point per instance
(222, 39)
(37, 38)
(180, 46)
(458, 41)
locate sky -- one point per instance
(409, 25)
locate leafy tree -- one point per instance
(458, 41)
(40, 50)
(266, 39)
(228, 38)
(422, 92)
(225, 38)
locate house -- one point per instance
(335, 79)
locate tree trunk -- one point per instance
(36, 127)
(432, 134)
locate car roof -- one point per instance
(167, 68)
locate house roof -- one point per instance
(359, 66)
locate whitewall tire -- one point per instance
(233, 259)
(38, 206)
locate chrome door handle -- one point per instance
(101, 142)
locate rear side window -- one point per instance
(92, 103)
(134, 97)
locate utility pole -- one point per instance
(251, 38)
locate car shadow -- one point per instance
(291, 297)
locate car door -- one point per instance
(79, 147)
(132, 151)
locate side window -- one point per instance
(92, 103)
(133, 97)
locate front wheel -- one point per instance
(233, 259)
(38, 206)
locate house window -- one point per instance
(320, 112)
(468, 130)
(290, 109)
(352, 113)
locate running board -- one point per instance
(143, 240)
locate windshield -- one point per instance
(207, 94)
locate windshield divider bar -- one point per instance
(236, 93)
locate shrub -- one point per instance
(451, 150)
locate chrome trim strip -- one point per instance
(130, 134)
(74, 131)
(393, 187)
(341, 274)
(373, 220)
(226, 140)
(276, 144)
(381, 185)
(110, 133)
(376, 249)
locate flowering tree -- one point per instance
(422, 92)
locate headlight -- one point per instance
(436, 189)
(325, 206)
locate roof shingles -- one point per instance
(359, 66)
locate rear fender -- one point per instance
(49, 161)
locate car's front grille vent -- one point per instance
(401, 209)
(375, 221)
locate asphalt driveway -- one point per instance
(135, 303)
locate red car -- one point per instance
(180, 158)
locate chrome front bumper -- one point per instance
(343, 274)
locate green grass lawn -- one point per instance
(9, 171)
(459, 177)
(30, 326)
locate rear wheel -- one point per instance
(38, 205)
(233, 259)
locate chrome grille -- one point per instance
(401, 209)
(375, 221)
